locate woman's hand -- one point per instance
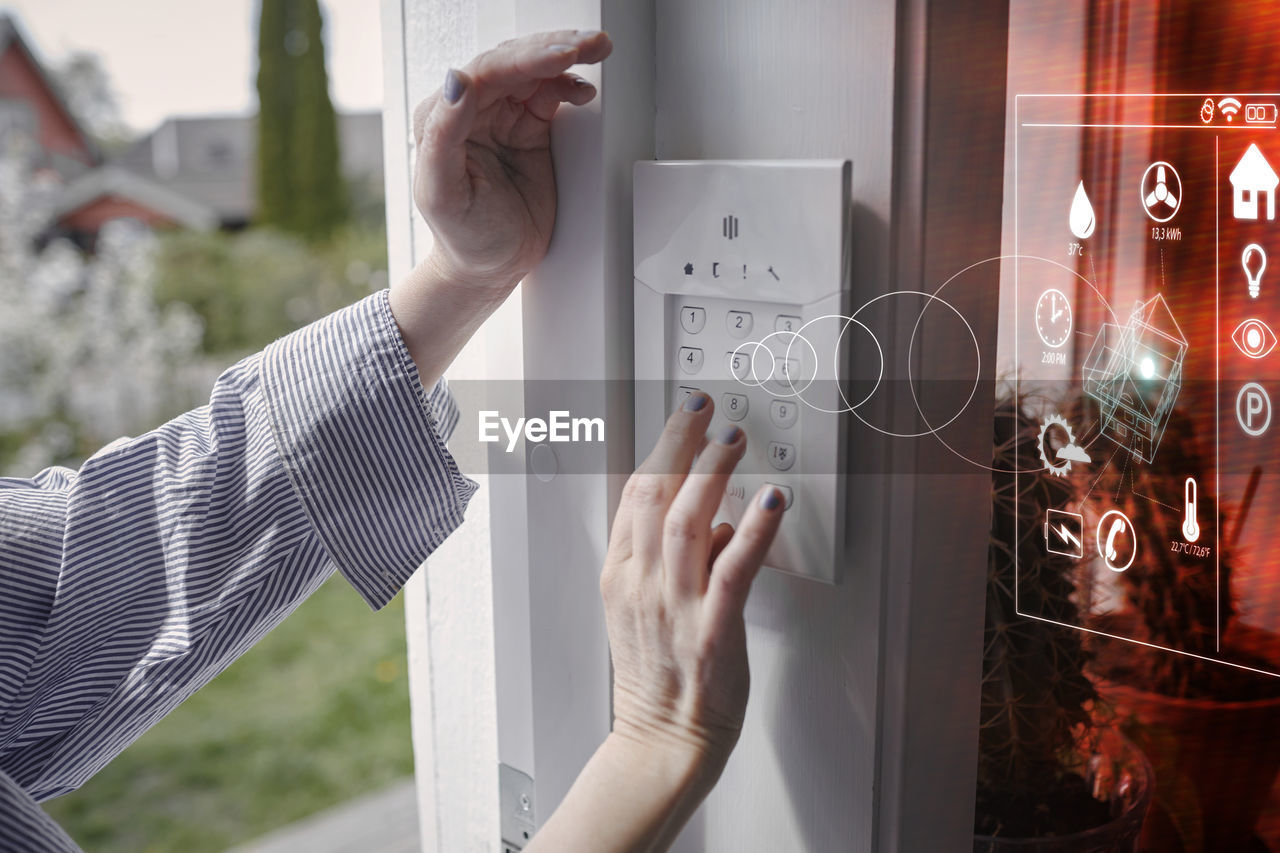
(674, 590)
(484, 179)
(485, 183)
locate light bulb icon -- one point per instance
(1255, 278)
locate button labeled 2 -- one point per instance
(738, 323)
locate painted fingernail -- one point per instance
(770, 500)
(583, 83)
(729, 434)
(695, 402)
(453, 87)
(562, 48)
(586, 35)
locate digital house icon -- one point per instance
(1252, 177)
(1134, 373)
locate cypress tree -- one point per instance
(300, 182)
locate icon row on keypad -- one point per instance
(739, 323)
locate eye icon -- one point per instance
(1254, 338)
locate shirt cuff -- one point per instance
(363, 444)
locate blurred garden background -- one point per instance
(136, 264)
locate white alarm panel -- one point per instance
(741, 291)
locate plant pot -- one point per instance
(1127, 779)
(1215, 761)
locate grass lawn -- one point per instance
(316, 713)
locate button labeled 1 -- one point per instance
(738, 323)
(693, 319)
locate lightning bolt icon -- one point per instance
(1065, 532)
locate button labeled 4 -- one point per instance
(690, 359)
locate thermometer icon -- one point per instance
(1190, 527)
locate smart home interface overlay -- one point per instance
(1145, 342)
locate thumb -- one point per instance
(442, 151)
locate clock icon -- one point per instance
(1053, 318)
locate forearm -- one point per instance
(630, 797)
(438, 310)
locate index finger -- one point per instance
(523, 63)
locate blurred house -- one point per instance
(190, 172)
(86, 191)
(211, 160)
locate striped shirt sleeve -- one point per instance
(127, 585)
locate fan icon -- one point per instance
(1161, 191)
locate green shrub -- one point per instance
(255, 286)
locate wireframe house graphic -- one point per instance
(1252, 177)
(1134, 373)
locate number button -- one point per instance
(683, 393)
(787, 495)
(739, 364)
(786, 323)
(781, 455)
(734, 406)
(783, 413)
(690, 359)
(786, 373)
(693, 319)
(738, 323)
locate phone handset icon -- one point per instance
(1117, 527)
(1190, 526)
(1115, 536)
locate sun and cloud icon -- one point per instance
(1065, 454)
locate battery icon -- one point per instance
(1260, 114)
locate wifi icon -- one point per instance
(1229, 107)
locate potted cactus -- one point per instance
(1052, 776)
(1211, 731)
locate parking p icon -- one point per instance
(1253, 409)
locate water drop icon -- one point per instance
(1082, 219)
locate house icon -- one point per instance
(1252, 177)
